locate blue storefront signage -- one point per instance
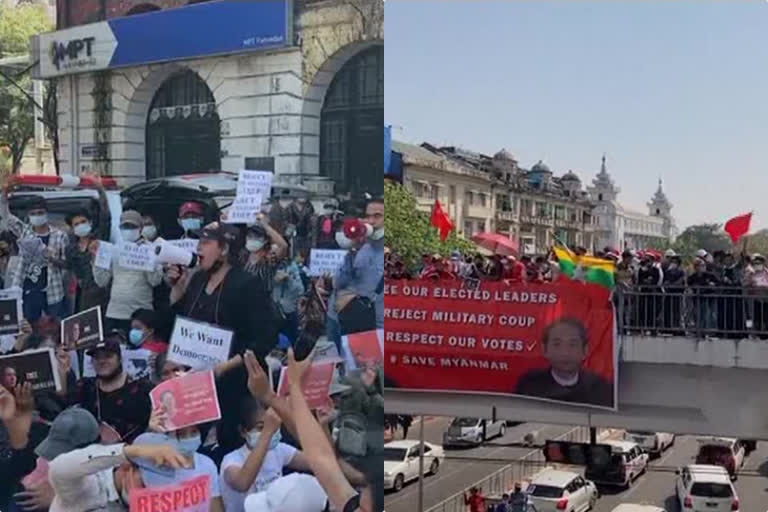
(200, 30)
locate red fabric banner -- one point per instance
(551, 341)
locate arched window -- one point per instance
(141, 9)
(183, 134)
(352, 125)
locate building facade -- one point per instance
(623, 228)
(484, 193)
(166, 87)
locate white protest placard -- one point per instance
(7, 342)
(104, 255)
(325, 261)
(244, 210)
(137, 256)
(198, 344)
(254, 183)
(252, 188)
(188, 244)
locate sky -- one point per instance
(673, 89)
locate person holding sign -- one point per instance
(42, 252)
(131, 288)
(224, 295)
(259, 241)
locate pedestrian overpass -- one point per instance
(666, 384)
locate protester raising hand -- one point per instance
(297, 369)
(160, 455)
(258, 382)
(158, 420)
(7, 405)
(25, 402)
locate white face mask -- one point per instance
(759, 267)
(149, 232)
(285, 203)
(38, 220)
(377, 234)
(342, 240)
(82, 230)
(328, 211)
(129, 235)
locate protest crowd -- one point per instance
(241, 381)
(721, 293)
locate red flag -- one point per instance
(441, 221)
(738, 226)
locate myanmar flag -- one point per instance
(588, 268)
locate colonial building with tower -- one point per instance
(153, 88)
(623, 228)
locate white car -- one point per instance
(561, 491)
(469, 431)
(722, 451)
(630, 507)
(705, 488)
(628, 462)
(654, 443)
(401, 462)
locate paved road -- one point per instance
(457, 475)
(658, 487)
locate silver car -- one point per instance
(469, 431)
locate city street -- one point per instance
(656, 487)
(457, 475)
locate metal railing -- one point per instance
(503, 480)
(702, 312)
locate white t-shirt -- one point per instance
(271, 469)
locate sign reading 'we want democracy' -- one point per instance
(551, 341)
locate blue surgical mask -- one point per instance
(82, 230)
(255, 435)
(254, 244)
(136, 337)
(129, 235)
(188, 446)
(191, 224)
(149, 232)
(38, 220)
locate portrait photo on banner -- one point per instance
(552, 342)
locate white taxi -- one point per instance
(706, 488)
(561, 491)
(401, 462)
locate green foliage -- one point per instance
(408, 231)
(709, 237)
(17, 127)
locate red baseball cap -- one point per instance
(191, 207)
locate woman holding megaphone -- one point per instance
(220, 292)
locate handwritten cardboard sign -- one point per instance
(82, 330)
(137, 256)
(198, 344)
(244, 210)
(254, 183)
(252, 188)
(325, 261)
(316, 384)
(187, 400)
(189, 496)
(37, 367)
(363, 348)
(105, 255)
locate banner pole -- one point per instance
(421, 465)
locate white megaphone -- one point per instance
(167, 253)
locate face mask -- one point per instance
(759, 267)
(284, 203)
(149, 232)
(328, 211)
(342, 240)
(369, 230)
(129, 235)
(38, 220)
(82, 230)
(255, 435)
(377, 234)
(254, 244)
(191, 224)
(672, 266)
(189, 446)
(136, 337)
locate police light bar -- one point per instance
(44, 180)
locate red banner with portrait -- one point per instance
(551, 341)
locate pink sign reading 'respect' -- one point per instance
(187, 400)
(190, 496)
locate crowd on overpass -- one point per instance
(717, 293)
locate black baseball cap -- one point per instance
(110, 344)
(223, 233)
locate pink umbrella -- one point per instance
(497, 243)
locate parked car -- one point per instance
(706, 488)
(631, 507)
(561, 491)
(469, 431)
(628, 462)
(401, 462)
(722, 451)
(653, 443)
